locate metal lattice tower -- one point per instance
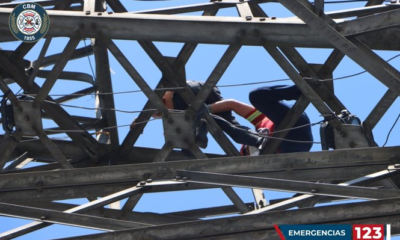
(352, 171)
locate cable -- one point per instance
(301, 126)
(90, 62)
(105, 128)
(220, 86)
(254, 83)
(352, 75)
(287, 140)
(394, 124)
(109, 93)
(106, 109)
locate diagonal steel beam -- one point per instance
(353, 48)
(75, 95)
(256, 9)
(305, 69)
(57, 69)
(57, 154)
(39, 61)
(298, 200)
(71, 219)
(154, 99)
(77, 53)
(58, 114)
(380, 109)
(10, 142)
(288, 185)
(210, 212)
(188, 8)
(377, 113)
(176, 80)
(12, 166)
(336, 56)
(299, 81)
(178, 64)
(213, 79)
(353, 213)
(79, 209)
(244, 10)
(116, 5)
(131, 203)
(289, 121)
(7, 146)
(232, 195)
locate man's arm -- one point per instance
(240, 108)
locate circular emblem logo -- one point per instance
(29, 22)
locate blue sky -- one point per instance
(252, 64)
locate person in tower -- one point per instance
(221, 111)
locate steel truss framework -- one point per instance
(353, 171)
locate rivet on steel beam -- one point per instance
(273, 18)
(262, 19)
(43, 217)
(397, 166)
(99, 14)
(142, 183)
(149, 180)
(185, 178)
(110, 12)
(170, 121)
(178, 177)
(248, 18)
(352, 144)
(313, 191)
(87, 12)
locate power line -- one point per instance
(106, 109)
(355, 74)
(219, 86)
(394, 124)
(105, 128)
(90, 62)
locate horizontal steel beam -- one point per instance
(261, 222)
(196, 29)
(288, 185)
(390, 19)
(235, 165)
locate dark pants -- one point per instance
(240, 134)
(268, 100)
